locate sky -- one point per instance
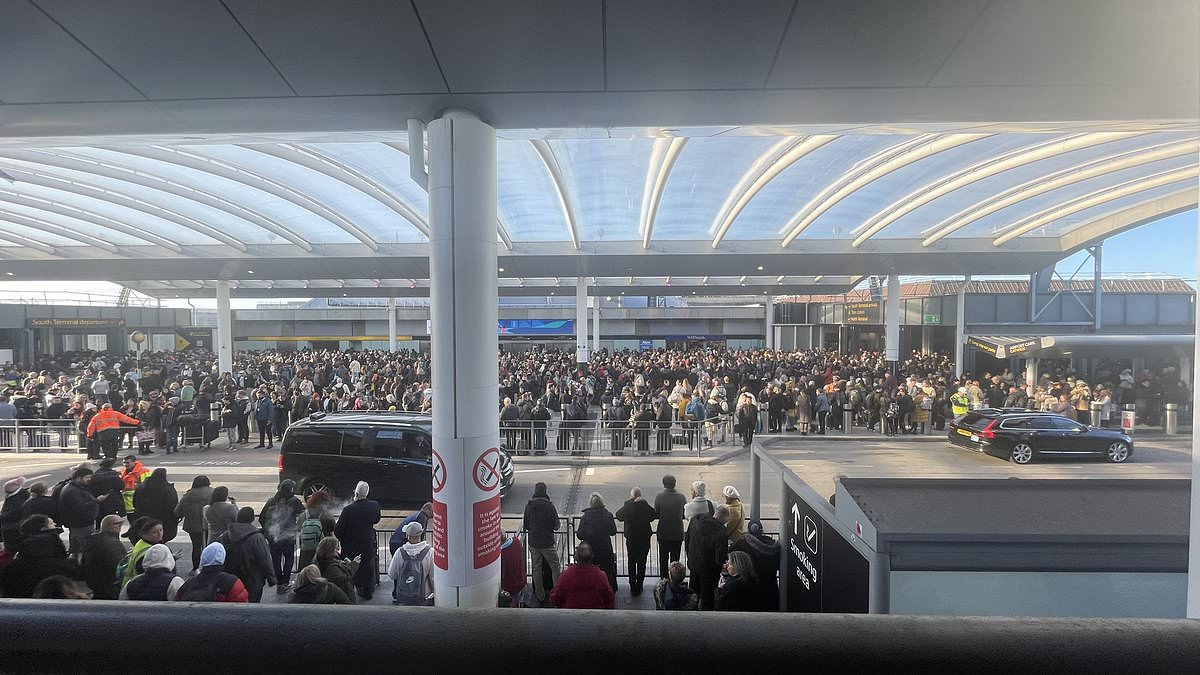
(1166, 246)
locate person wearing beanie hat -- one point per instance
(737, 513)
(158, 581)
(247, 553)
(541, 521)
(411, 570)
(281, 518)
(700, 502)
(356, 530)
(213, 584)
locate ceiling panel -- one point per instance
(692, 44)
(44, 64)
(517, 45)
(1033, 42)
(169, 50)
(831, 43)
(329, 48)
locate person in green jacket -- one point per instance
(960, 403)
(145, 532)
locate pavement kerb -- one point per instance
(709, 458)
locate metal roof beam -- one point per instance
(873, 168)
(1008, 161)
(189, 159)
(57, 230)
(772, 163)
(1054, 181)
(1113, 223)
(70, 162)
(565, 198)
(1093, 199)
(662, 160)
(75, 213)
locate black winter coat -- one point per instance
(101, 555)
(736, 594)
(637, 516)
(107, 481)
(356, 528)
(541, 520)
(596, 527)
(76, 506)
(10, 518)
(706, 547)
(39, 556)
(158, 501)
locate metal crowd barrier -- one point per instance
(602, 437)
(39, 435)
(565, 542)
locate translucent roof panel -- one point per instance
(854, 211)
(781, 198)
(528, 202)
(704, 173)
(989, 225)
(71, 223)
(383, 164)
(1068, 223)
(929, 216)
(607, 179)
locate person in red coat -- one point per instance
(583, 585)
(512, 568)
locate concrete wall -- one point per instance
(1045, 594)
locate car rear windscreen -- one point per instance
(974, 420)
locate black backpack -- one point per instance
(205, 588)
(239, 558)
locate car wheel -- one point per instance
(316, 485)
(1118, 452)
(1022, 453)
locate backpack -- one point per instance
(311, 532)
(411, 580)
(239, 558)
(201, 589)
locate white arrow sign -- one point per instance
(795, 518)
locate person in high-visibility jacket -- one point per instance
(133, 474)
(960, 403)
(107, 425)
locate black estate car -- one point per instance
(1023, 435)
(393, 452)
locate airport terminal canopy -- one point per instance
(258, 143)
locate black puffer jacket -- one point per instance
(39, 556)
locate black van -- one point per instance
(392, 451)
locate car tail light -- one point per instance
(281, 461)
(988, 432)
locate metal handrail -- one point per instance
(31, 435)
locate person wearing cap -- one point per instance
(101, 555)
(960, 402)
(213, 584)
(15, 496)
(106, 425)
(541, 521)
(416, 550)
(158, 581)
(356, 530)
(280, 518)
(737, 513)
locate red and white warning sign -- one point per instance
(487, 470)
(486, 522)
(441, 545)
(439, 473)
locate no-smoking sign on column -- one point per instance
(440, 535)
(486, 512)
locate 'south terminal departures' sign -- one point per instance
(76, 323)
(862, 312)
(823, 572)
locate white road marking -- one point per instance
(33, 478)
(591, 471)
(563, 468)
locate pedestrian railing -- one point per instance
(36, 435)
(565, 541)
(615, 437)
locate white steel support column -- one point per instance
(391, 310)
(891, 319)
(1031, 368)
(926, 338)
(1193, 592)
(595, 324)
(463, 307)
(770, 322)
(581, 347)
(224, 329)
(960, 326)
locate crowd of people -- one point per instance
(733, 564)
(235, 552)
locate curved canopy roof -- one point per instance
(780, 206)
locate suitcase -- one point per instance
(212, 429)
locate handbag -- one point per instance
(145, 435)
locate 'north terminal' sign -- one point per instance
(76, 323)
(823, 572)
(862, 312)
